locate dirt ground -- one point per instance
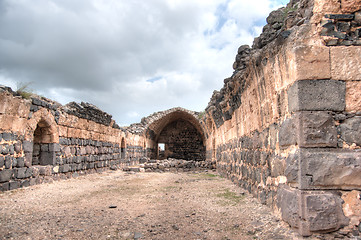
(119, 205)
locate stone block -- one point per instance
(19, 173)
(2, 161)
(5, 175)
(292, 168)
(8, 162)
(350, 6)
(317, 129)
(20, 162)
(4, 187)
(329, 169)
(351, 130)
(345, 63)
(54, 147)
(47, 158)
(317, 95)
(44, 147)
(353, 96)
(312, 62)
(8, 136)
(288, 203)
(65, 168)
(28, 159)
(323, 212)
(13, 185)
(287, 135)
(28, 146)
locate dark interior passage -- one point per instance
(181, 141)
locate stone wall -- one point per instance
(42, 141)
(286, 124)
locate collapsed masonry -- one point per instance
(286, 126)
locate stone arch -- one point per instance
(181, 133)
(44, 138)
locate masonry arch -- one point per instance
(177, 133)
(44, 137)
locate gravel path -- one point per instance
(119, 205)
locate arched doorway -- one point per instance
(44, 152)
(122, 149)
(177, 134)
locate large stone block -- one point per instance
(323, 212)
(5, 175)
(351, 130)
(345, 63)
(317, 129)
(353, 96)
(288, 202)
(311, 211)
(312, 62)
(329, 169)
(47, 158)
(287, 135)
(350, 6)
(316, 95)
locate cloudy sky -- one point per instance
(130, 58)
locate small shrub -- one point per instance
(23, 90)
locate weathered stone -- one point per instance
(324, 212)
(8, 136)
(27, 146)
(5, 175)
(47, 158)
(329, 169)
(317, 95)
(19, 173)
(340, 16)
(20, 162)
(292, 168)
(317, 129)
(351, 130)
(54, 147)
(345, 62)
(312, 63)
(288, 133)
(8, 161)
(13, 185)
(288, 202)
(2, 161)
(350, 6)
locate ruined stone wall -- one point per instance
(286, 124)
(41, 141)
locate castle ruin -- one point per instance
(286, 126)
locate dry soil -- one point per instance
(119, 205)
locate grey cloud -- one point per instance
(103, 51)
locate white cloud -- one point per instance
(104, 52)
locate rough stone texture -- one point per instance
(345, 63)
(288, 201)
(312, 63)
(323, 212)
(329, 169)
(311, 211)
(350, 6)
(351, 130)
(317, 129)
(317, 95)
(353, 99)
